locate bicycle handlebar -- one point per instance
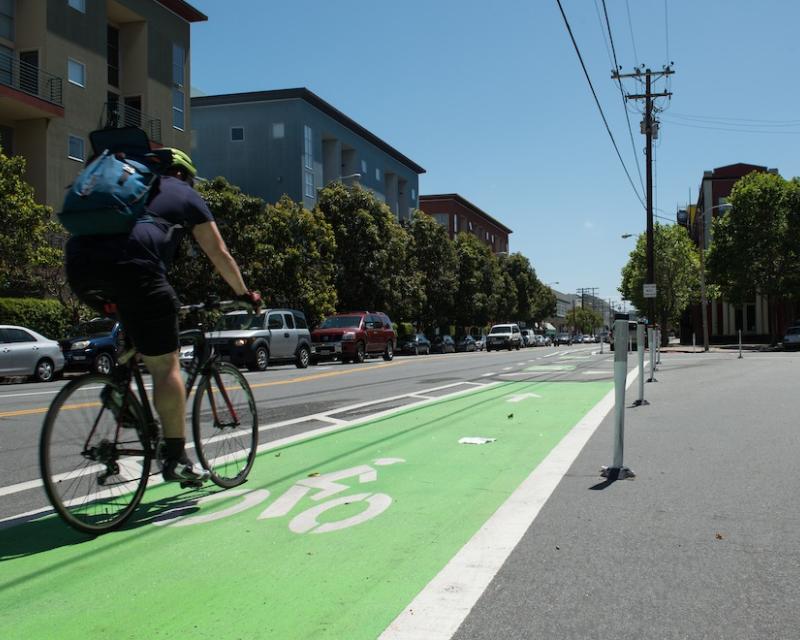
(216, 304)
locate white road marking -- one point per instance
(522, 396)
(486, 375)
(441, 607)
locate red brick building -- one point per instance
(457, 214)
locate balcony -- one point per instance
(119, 114)
(27, 92)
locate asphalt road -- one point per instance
(292, 400)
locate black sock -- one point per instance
(173, 448)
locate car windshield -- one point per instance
(94, 328)
(340, 322)
(240, 321)
(793, 331)
(501, 328)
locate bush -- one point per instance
(48, 317)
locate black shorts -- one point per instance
(146, 303)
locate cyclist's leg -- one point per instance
(169, 396)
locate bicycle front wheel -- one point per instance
(94, 465)
(225, 425)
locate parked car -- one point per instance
(465, 343)
(443, 344)
(93, 346)
(354, 336)
(504, 336)
(577, 338)
(256, 340)
(415, 344)
(563, 338)
(791, 340)
(23, 352)
(480, 342)
(528, 338)
(538, 340)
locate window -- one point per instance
(76, 72)
(275, 321)
(178, 95)
(309, 184)
(17, 335)
(377, 173)
(277, 130)
(7, 19)
(76, 149)
(6, 65)
(414, 194)
(300, 321)
(112, 55)
(443, 219)
(237, 133)
(289, 319)
(308, 148)
(364, 167)
(455, 224)
(78, 5)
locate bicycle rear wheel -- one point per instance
(94, 469)
(225, 425)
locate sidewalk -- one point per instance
(703, 543)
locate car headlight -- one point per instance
(80, 344)
(240, 342)
(349, 335)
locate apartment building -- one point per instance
(457, 214)
(68, 67)
(291, 141)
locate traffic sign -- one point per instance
(649, 290)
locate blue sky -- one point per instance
(490, 98)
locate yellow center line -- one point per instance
(315, 376)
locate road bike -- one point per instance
(100, 434)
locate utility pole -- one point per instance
(650, 130)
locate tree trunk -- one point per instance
(773, 320)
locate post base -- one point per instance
(652, 380)
(616, 473)
(640, 403)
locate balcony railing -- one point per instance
(119, 114)
(30, 79)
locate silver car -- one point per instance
(24, 352)
(791, 340)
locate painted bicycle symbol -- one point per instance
(320, 488)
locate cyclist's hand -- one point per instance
(253, 298)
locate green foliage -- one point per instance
(485, 292)
(373, 268)
(30, 254)
(48, 317)
(584, 319)
(534, 301)
(677, 271)
(283, 250)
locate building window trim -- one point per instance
(77, 157)
(70, 68)
(78, 5)
(178, 86)
(308, 184)
(308, 147)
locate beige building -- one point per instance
(68, 67)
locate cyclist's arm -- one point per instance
(212, 244)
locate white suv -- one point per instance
(504, 336)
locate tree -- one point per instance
(752, 251)
(534, 301)
(284, 251)
(584, 319)
(31, 258)
(677, 269)
(370, 257)
(437, 264)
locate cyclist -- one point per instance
(131, 271)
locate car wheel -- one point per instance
(360, 353)
(260, 360)
(416, 350)
(388, 352)
(45, 371)
(103, 363)
(518, 346)
(303, 357)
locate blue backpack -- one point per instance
(107, 197)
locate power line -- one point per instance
(699, 126)
(630, 27)
(597, 102)
(622, 95)
(744, 122)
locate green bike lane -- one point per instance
(331, 537)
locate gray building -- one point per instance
(290, 141)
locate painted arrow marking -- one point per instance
(522, 396)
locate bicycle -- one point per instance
(99, 437)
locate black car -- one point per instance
(466, 343)
(92, 346)
(414, 344)
(443, 344)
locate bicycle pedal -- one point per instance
(194, 484)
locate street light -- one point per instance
(703, 301)
(625, 236)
